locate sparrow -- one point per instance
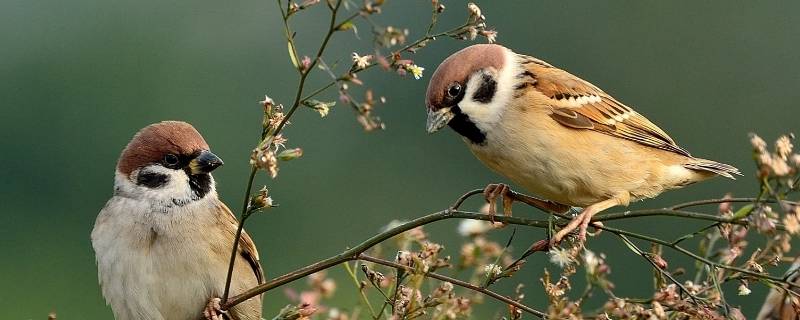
(163, 241)
(557, 135)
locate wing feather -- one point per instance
(577, 103)
(247, 248)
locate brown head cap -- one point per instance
(153, 142)
(458, 67)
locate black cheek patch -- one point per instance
(200, 184)
(465, 127)
(486, 91)
(152, 180)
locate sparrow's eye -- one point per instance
(454, 90)
(171, 160)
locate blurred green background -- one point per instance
(79, 78)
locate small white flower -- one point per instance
(492, 270)
(474, 10)
(758, 144)
(267, 102)
(334, 313)
(360, 62)
(561, 257)
(490, 35)
(415, 70)
(404, 258)
(591, 261)
(472, 32)
(469, 227)
(323, 110)
(784, 146)
(743, 290)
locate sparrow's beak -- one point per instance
(439, 118)
(205, 162)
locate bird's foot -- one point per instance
(497, 190)
(213, 310)
(579, 223)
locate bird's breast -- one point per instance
(154, 265)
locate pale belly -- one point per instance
(161, 271)
(540, 177)
(159, 282)
(568, 176)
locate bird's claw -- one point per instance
(213, 310)
(579, 223)
(494, 191)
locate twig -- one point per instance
(361, 292)
(655, 265)
(673, 213)
(238, 236)
(464, 197)
(458, 283)
(353, 253)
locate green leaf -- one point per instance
(292, 56)
(743, 212)
(347, 25)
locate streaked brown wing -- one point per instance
(247, 248)
(578, 104)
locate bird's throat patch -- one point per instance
(462, 124)
(200, 184)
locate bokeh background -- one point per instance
(79, 78)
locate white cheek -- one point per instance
(487, 115)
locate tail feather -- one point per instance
(725, 170)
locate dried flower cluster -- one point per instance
(390, 38)
(268, 152)
(273, 145)
(779, 165)
(410, 293)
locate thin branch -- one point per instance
(238, 236)
(364, 298)
(355, 252)
(458, 283)
(674, 213)
(464, 197)
(766, 277)
(723, 200)
(663, 272)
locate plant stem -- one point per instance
(356, 252)
(674, 213)
(238, 236)
(352, 273)
(353, 253)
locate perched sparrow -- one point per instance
(557, 135)
(163, 241)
